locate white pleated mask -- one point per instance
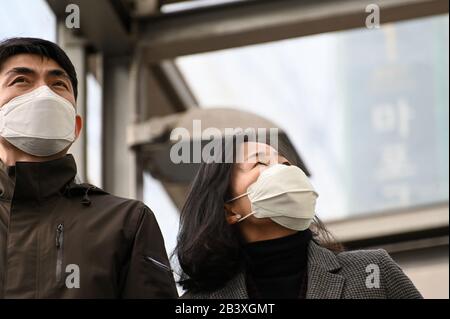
(40, 122)
(285, 195)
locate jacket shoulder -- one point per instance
(355, 258)
(90, 194)
(128, 213)
(377, 269)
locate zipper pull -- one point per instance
(59, 249)
(59, 231)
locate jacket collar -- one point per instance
(36, 181)
(323, 281)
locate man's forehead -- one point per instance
(31, 61)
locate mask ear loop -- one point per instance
(245, 217)
(237, 197)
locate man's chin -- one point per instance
(10, 154)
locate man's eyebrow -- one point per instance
(58, 73)
(21, 70)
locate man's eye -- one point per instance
(62, 84)
(19, 80)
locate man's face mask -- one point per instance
(40, 123)
(283, 194)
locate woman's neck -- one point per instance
(271, 230)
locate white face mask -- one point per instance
(285, 195)
(40, 122)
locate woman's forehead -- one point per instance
(252, 151)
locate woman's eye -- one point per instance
(286, 163)
(260, 163)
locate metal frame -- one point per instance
(174, 79)
(354, 231)
(257, 22)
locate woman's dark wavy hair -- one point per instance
(209, 249)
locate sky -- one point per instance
(31, 18)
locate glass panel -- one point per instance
(366, 109)
(94, 127)
(27, 19)
(164, 209)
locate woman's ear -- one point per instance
(231, 217)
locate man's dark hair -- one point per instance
(43, 48)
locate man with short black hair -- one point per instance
(58, 238)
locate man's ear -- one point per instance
(231, 217)
(78, 126)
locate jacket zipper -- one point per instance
(59, 251)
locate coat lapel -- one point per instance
(323, 282)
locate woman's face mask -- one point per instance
(285, 195)
(40, 123)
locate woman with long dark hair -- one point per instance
(248, 230)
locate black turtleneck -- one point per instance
(277, 268)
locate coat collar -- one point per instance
(323, 281)
(36, 181)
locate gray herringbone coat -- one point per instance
(347, 275)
